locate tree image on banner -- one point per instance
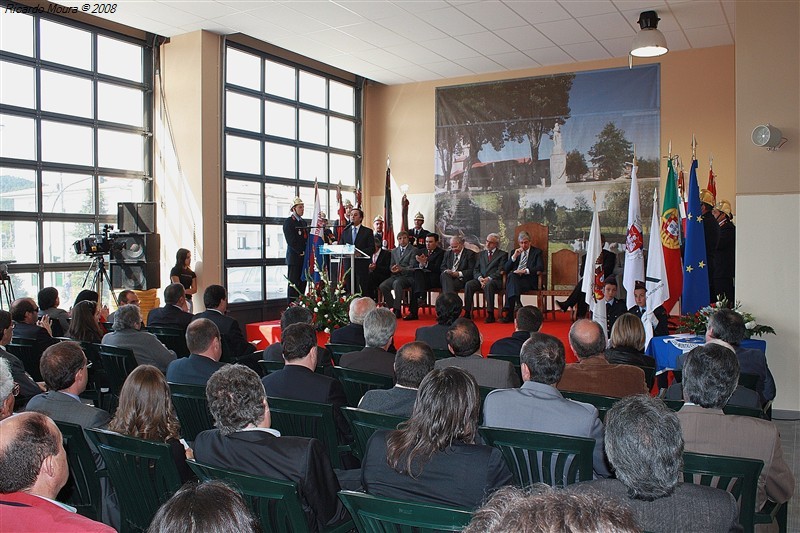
(610, 153)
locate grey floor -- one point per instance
(790, 441)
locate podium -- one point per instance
(342, 251)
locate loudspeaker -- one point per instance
(136, 276)
(136, 217)
(137, 247)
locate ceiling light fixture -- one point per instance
(649, 42)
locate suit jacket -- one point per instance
(661, 329)
(725, 255)
(689, 508)
(534, 263)
(540, 407)
(27, 386)
(365, 242)
(274, 352)
(192, 370)
(510, 345)
(41, 339)
(22, 512)
(417, 237)
(398, 401)
(712, 431)
(433, 266)
(297, 459)
(169, 316)
(147, 349)
(754, 361)
(296, 235)
(382, 265)
(595, 375)
(352, 334)
(493, 373)
(233, 342)
(466, 263)
(370, 359)
(433, 336)
(742, 396)
(490, 269)
(64, 408)
(405, 261)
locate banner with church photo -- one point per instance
(537, 149)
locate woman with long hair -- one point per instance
(85, 323)
(433, 456)
(145, 411)
(181, 273)
(88, 295)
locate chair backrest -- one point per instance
(191, 406)
(513, 359)
(374, 513)
(117, 363)
(736, 475)
(308, 419)
(603, 403)
(143, 473)
(540, 238)
(439, 353)
(533, 457)
(337, 350)
(82, 491)
(748, 380)
(24, 350)
(563, 269)
(365, 423)
(649, 375)
(172, 338)
(270, 366)
(356, 383)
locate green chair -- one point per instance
(82, 491)
(337, 350)
(271, 366)
(513, 359)
(532, 457)
(191, 406)
(24, 350)
(143, 473)
(172, 338)
(603, 403)
(117, 363)
(365, 423)
(308, 419)
(356, 383)
(377, 514)
(674, 405)
(97, 387)
(438, 353)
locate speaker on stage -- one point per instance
(136, 276)
(136, 217)
(137, 247)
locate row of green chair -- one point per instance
(337, 350)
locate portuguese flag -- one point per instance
(671, 239)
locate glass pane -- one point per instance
(243, 69)
(244, 284)
(17, 137)
(244, 241)
(307, 194)
(276, 282)
(69, 284)
(242, 155)
(278, 200)
(114, 190)
(17, 189)
(242, 112)
(16, 33)
(18, 242)
(342, 98)
(276, 242)
(26, 285)
(66, 94)
(65, 45)
(312, 89)
(313, 164)
(120, 104)
(118, 58)
(343, 168)
(16, 84)
(242, 198)
(279, 160)
(343, 134)
(118, 149)
(312, 127)
(58, 239)
(280, 79)
(67, 193)
(279, 120)
(66, 143)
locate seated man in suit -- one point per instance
(234, 346)
(379, 327)
(124, 298)
(298, 315)
(593, 374)
(353, 333)
(527, 320)
(644, 445)
(464, 342)
(412, 363)
(378, 269)
(458, 266)
(173, 314)
(27, 325)
(402, 269)
(205, 349)
(538, 406)
(448, 309)
(27, 388)
(523, 268)
(49, 301)
(427, 272)
(660, 317)
(614, 306)
(487, 277)
(710, 375)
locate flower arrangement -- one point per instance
(697, 323)
(327, 302)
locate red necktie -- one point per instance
(490, 255)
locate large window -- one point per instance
(75, 123)
(286, 125)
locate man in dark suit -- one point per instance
(234, 345)
(378, 228)
(427, 272)
(457, 266)
(49, 301)
(523, 268)
(614, 306)
(27, 325)
(28, 388)
(364, 240)
(417, 234)
(711, 234)
(412, 363)
(378, 268)
(448, 309)
(295, 232)
(205, 347)
(353, 333)
(244, 441)
(487, 277)
(527, 320)
(296, 315)
(725, 254)
(660, 329)
(173, 314)
(577, 297)
(402, 269)
(379, 328)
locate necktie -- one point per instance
(402, 249)
(490, 255)
(524, 259)
(355, 232)
(455, 261)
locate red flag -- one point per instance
(388, 227)
(341, 212)
(712, 182)
(671, 239)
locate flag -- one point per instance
(670, 232)
(312, 264)
(593, 278)
(656, 280)
(695, 271)
(634, 256)
(388, 227)
(341, 212)
(712, 182)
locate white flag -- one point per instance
(593, 278)
(634, 255)
(656, 280)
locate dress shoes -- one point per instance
(489, 318)
(563, 306)
(412, 316)
(507, 318)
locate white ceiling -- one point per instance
(403, 41)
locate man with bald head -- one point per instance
(33, 469)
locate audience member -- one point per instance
(593, 373)
(379, 328)
(234, 345)
(487, 277)
(527, 320)
(627, 343)
(411, 364)
(207, 507)
(378, 269)
(402, 269)
(523, 268)
(539, 406)
(88, 295)
(147, 349)
(27, 325)
(49, 301)
(8, 390)
(448, 309)
(428, 269)
(297, 315)
(174, 313)
(85, 324)
(353, 333)
(27, 387)
(458, 266)
(644, 445)
(124, 298)
(464, 342)
(205, 347)
(660, 315)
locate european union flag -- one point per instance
(695, 266)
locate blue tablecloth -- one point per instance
(666, 350)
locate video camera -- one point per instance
(98, 243)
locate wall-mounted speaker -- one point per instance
(137, 247)
(136, 217)
(136, 276)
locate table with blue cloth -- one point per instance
(666, 350)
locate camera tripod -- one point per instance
(100, 274)
(6, 288)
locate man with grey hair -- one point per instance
(402, 269)
(7, 390)
(710, 375)
(458, 266)
(244, 441)
(487, 277)
(205, 350)
(644, 445)
(411, 364)
(147, 349)
(353, 333)
(592, 373)
(379, 327)
(523, 267)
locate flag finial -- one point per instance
(694, 147)
(388, 161)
